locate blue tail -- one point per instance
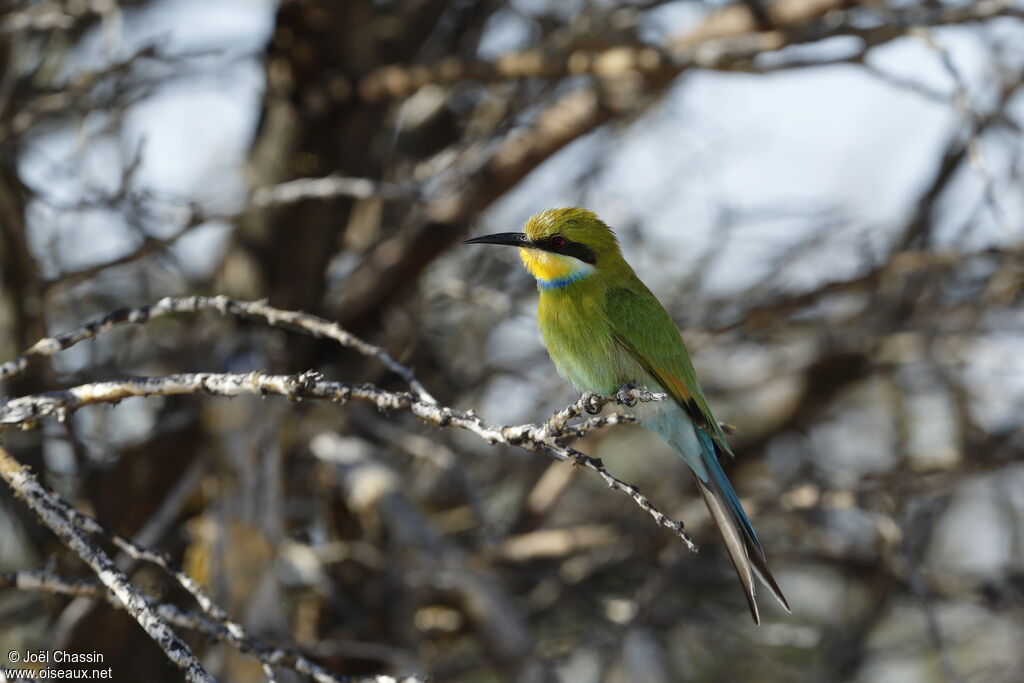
(741, 540)
(710, 453)
(700, 453)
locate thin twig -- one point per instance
(302, 322)
(44, 580)
(547, 438)
(53, 514)
(148, 535)
(188, 218)
(327, 187)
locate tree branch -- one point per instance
(53, 514)
(72, 526)
(547, 438)
(301, 322)
(44, 580)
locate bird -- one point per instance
(605, 331)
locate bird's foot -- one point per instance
(624, 395)
(591, 404)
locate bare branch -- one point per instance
(190, 217)
(53, 514)
(303, 322)
(44, 580)
(327, 188)
(546, 439)
(72, 526)
(727, 40)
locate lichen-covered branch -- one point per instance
(303, 322)
(53, 514)
(72, 526)
(44, 580)
(547, 438)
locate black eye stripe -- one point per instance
(569, 248)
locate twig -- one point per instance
(546, 439)
(727, 40)
(189, 217)
(269, 655)
(213, 620)
(53, 514)
(139, 553)
(977, 125)
(327, 187)
(148, 535)
(303, 322)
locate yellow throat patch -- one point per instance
(553, 270)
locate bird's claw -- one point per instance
(591, 405)
(624, 395)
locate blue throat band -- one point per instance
(562, 281)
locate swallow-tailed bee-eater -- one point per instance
(604, 329)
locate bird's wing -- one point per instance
(642, 326)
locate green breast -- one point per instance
(578, 336)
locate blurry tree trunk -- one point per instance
(307, 129)
(311, 125)
(21, 305)
(21, 321)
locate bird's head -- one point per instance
(562, 246)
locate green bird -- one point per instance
(604, 329)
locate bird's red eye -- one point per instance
(558, 241)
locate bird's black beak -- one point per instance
(509, 239)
